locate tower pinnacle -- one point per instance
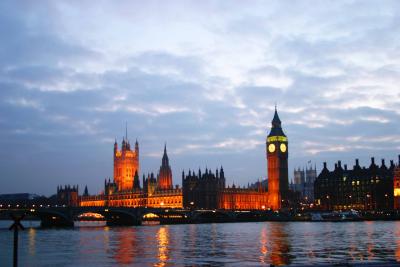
(126, 131)
(276, 129)
(165, 178)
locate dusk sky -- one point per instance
(203, 76)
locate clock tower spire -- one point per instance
(277, 161)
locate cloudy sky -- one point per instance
(201, 76)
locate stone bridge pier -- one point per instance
(65, 216)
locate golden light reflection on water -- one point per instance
(163, 245)
(214, 236)
(274, 245)
(126, 246)
(353, 246)
(370, 241)
(279, 244)
(32, 241)
(397, 234)
(263, 244)
(106, 237)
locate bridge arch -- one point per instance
(115, 216)
(64, 217)
(54, 218)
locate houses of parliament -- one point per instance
(200, 190)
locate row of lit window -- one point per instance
(168, 201)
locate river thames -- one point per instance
(261, 243)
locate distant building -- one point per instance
(396, 185)
(299, 176)
(26, 200)
(360, 188)
(303, 182)
(67, 195)
(17, 196)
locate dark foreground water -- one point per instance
(279, 243)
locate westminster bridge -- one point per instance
(66, 216)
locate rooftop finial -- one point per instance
(126, 131)
(275, 105)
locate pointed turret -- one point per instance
(123, 143)
(165, 174)
(165, 160)
(115, 146)
(86, 192)
(276, 129)
(136, 146)
(136, 182)
(126, 131)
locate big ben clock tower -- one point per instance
(277, 161)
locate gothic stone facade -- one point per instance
(208, 191)
(126, 165)
(67, 195)
(303, 183)
(201, 191)
(125, 190)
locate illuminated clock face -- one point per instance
(283, 147)
(271, 148)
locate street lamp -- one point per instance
(328, 206)
(386, 201)
(368, 201)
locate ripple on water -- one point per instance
(211, 244)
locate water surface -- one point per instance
(278, 243)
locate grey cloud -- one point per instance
(62, 102)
